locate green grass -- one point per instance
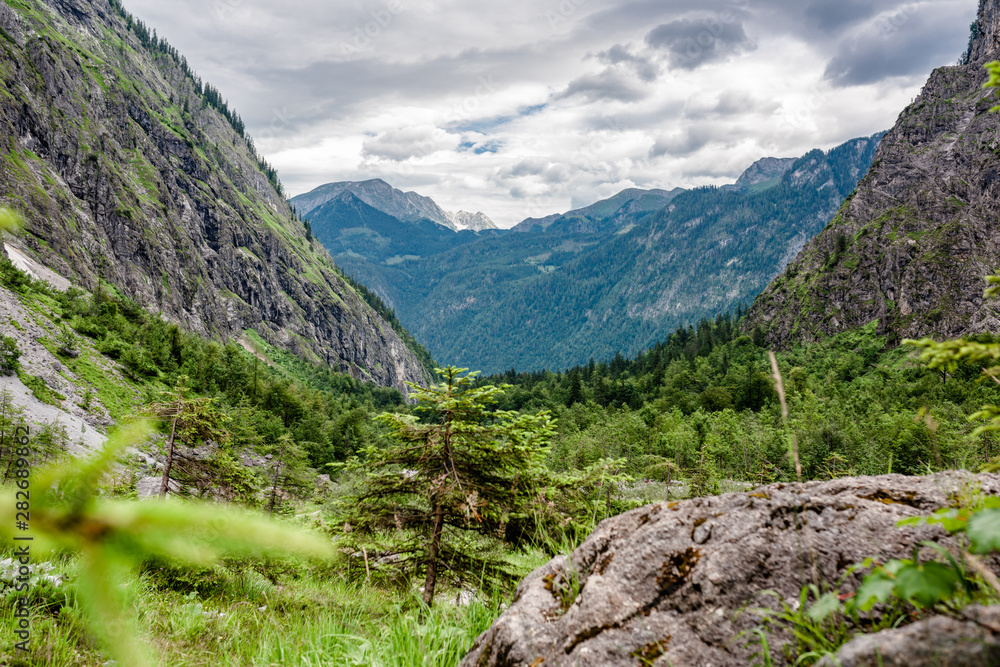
(42, 391)
(114, 393)
(318, 617)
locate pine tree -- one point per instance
(461, 469)
(575, 389)
(193, 421)
(291, 470)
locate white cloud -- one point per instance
(531, 107)
(410, 142)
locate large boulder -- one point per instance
(675, 583)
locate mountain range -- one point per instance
(615, 276)
(134, 174)
(405, 206)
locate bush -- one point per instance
(113, 346)
(67, 343)
(89, 327)
(716, 399)
(9, 356)
(13, 277)
(137, 360)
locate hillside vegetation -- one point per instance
(693, 416)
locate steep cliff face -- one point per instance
(911, 247)
(127, 173)
(987, 45)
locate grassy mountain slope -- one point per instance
(132, 172)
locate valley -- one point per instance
(616, 276)
(747, 420)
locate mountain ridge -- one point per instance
(911, 247)
(764, 170)
(406, 206)
(613, 277)
(133, 174)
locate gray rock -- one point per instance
(673, 582)
(764, 169)
(149, 487)
(939, 641)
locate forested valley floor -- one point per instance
(698, 414)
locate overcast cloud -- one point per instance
(530, 107)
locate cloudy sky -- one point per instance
(528, 107)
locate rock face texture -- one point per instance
(671, 584)
(475, 221)
(763, 170)
(911, 247)
(973, 641)
(126, 172)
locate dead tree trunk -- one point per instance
(168, 464)
(432, 555)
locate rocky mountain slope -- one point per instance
(675, 583)
(476, 222)
(406, 206)
(130, 171)
(913, 244)
(764, 170)
(618, 275)
(353, 230)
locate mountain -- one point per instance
(348, 226)
(707, 252)
(406, 206)
(911, 247)
(612, 277)
(607, 215)
(764, 171)
(476, 222)
(133, 173)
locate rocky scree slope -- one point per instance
(125, 175)
(674, 583)
(911, 247)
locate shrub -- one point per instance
(9, 356)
